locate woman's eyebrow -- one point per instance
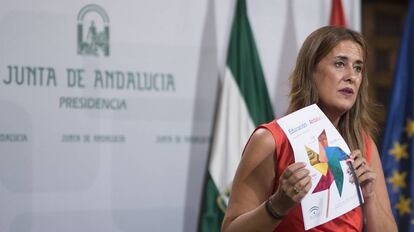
(346, 59)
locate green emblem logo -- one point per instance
(93, 31)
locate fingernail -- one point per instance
(350, 160)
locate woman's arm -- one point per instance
(377, 204)
(253, 184)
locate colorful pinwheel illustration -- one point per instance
(327, 163)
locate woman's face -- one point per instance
(338, 76)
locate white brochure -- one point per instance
(316, 142)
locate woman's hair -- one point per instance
(358, 119)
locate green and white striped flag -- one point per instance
(244, 103)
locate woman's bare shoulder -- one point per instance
(261, 143)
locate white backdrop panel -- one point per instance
(105, 125)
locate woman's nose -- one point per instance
(351, 74)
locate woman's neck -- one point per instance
(334, 117)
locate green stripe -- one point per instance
(212, 215)
(244, 62)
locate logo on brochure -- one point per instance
(314, 212)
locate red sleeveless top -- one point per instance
(351, 221)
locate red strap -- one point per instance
(368, 147)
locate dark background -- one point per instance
(382, 26)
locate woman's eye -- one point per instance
(358, 69)
(339, 64)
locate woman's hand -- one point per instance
(294, 184)
(365, 174)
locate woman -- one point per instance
(268, 186)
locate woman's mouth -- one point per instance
(347, 91)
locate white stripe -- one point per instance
(232, 130)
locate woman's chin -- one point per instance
(336, 110)
(342, 109)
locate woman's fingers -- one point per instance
(360, 165)
(301, 188)
(298, 176)
(364, 173)
(295, 181)
(291, 169)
